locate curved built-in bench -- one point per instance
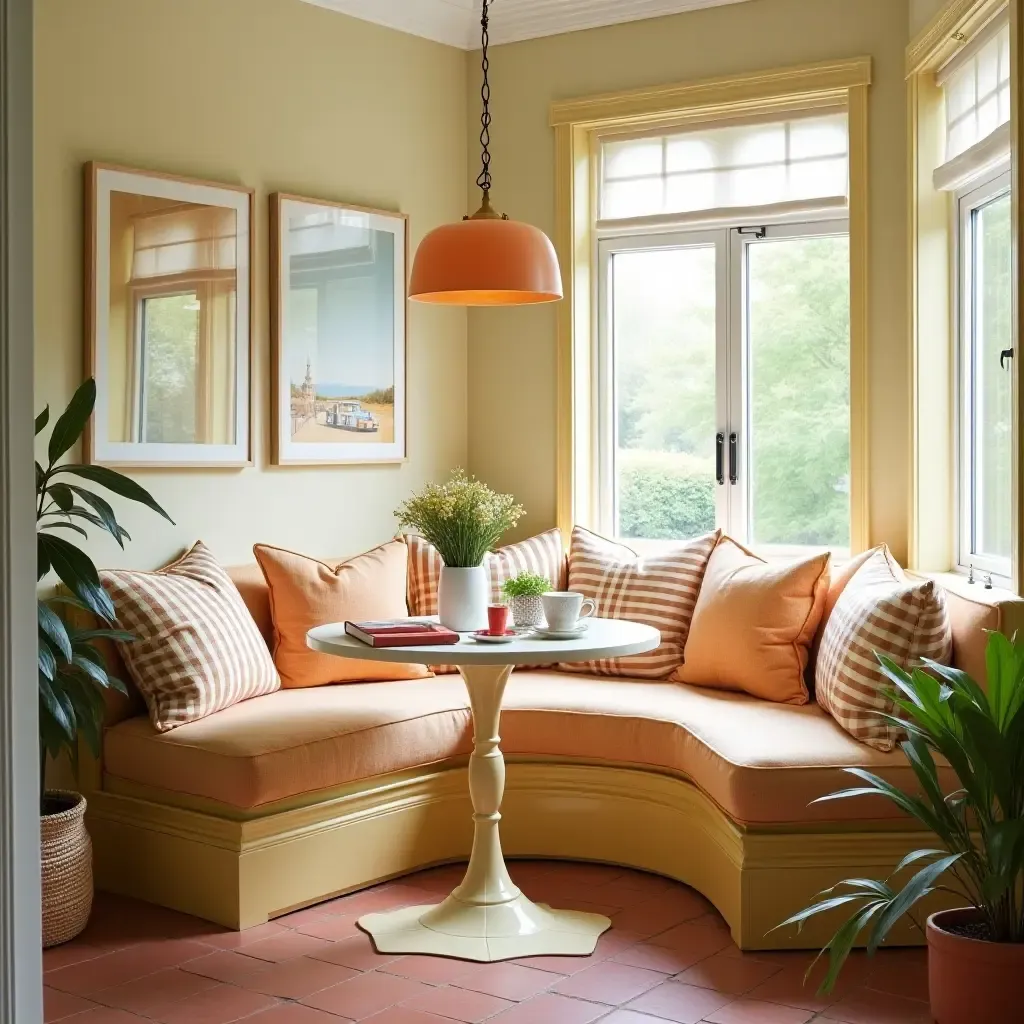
(288, 799)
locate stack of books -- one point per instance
(401, 633)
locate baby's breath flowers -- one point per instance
(462, 518)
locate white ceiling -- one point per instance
(457, 22)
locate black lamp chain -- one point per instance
(484, 178)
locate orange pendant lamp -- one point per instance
(486, 259)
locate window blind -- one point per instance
(976, 89)
(749, 165)
(188, 239)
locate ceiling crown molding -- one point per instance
(457, 22)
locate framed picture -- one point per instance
(338, 297)
(168, 291)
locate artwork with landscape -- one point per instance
(339, 332)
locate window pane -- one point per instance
(664, 380)
(992, 388)
(798, 323)
(170, 339)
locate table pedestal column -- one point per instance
(486, 918)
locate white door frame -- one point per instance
(20, 944)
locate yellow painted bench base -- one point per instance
(240, 873)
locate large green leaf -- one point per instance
(47, 662)
(62, 496)
(68, 428)
(41, 420)
(104, 513)
(77, 573)
(53, 627)
(116, 482)
(58, 707)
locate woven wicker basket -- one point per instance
(66, 869)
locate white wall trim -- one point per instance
(457, 22)
(20, 942)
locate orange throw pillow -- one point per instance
(305, 593)
(754, 623)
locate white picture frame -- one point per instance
(338, 333)
(117, 433)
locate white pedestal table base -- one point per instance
(486, 918)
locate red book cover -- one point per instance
(401, 634)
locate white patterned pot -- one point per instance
(66, 863)
(527, 611)
(462, 598)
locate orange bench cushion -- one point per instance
(762, 763)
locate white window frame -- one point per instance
(969, 200)
(731, 241)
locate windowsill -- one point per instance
(956, 583)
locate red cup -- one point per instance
(497, 619)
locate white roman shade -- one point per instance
(184, 240)
(976, 88)
(737, 167)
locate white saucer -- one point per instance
(561, 634)
(486, 638)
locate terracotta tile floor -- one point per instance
(668, 957)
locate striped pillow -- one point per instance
(881, 611)
(542, 554)
(197, 649)
(659, 591)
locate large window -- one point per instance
(723, 356)
(985, 467)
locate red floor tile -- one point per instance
(658, 958)
(293, 979)
(108, 1015)
(866, 1006)
(434, 970)
(332, 927)
(365, 995)
(286, 947)
(356, 952)
(153, 993)
(610, 983)
(293, 1013)
(730, 975)
(236, 940)
(458, 1004)
(507, 980)
(225, 965)
(552, 1009)
(57, 1005)
(674, 1001)
(220, 1005)
(753, 1011)
(403, 1015)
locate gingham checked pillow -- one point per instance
(881, 611)
(660, 591)
(542, 554)
(198, 649)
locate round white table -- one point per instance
(487, 918)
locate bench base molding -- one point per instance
(241, 873)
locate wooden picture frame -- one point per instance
(339, 337)
(169, 297)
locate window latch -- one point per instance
(720, 459)
(1007, 353)
(733, 460)
(756, 232)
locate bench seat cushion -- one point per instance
(761, 762)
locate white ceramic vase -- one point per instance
(462, 598)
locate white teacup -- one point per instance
(565, 608)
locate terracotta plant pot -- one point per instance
(971, 981)
(66, 861)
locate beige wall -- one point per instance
(276, 94)
(922, 12)
(512, 404)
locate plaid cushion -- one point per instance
(197, 649)
(542, 554)
(881, 611)
(660, 592)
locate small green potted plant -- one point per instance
(975, 953)
(523, 595)
(463, 519)
(73, 674)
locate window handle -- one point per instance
(733, 461)
(720, 459)
(1007, 353)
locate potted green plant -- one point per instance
(73, 674)
(463, 519)
(976, 953)
(523, 594)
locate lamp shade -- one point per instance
(486, 262)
